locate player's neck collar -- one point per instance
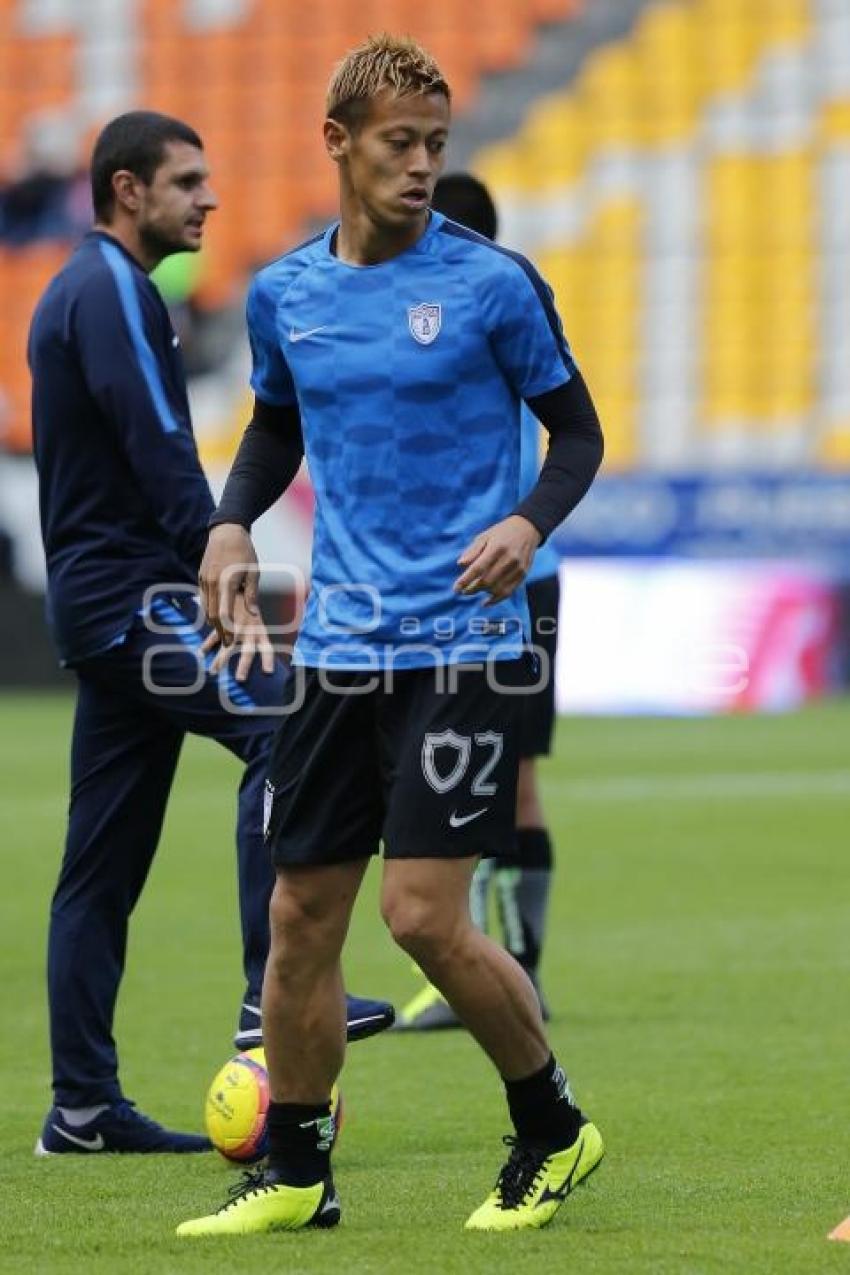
(435, 220)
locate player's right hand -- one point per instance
(251, 640)
(229, 567)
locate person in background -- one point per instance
(124, 510)
(522, 876)
(47, 196)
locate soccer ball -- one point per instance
(237, 1105)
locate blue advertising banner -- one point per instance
(734, 516)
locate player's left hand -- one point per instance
(250, 637)
(498, 559)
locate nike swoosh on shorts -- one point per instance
(457, 821)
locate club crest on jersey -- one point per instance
(424, 322)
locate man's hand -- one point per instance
(498, 559)
(229, 570)
(250, 636)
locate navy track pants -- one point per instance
(135, 703)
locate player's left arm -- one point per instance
(573, 457)
(499, 558)
(528, 341)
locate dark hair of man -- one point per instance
(135, 141)
(463, 198)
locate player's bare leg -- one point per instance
(303, 997)
(304, 1033)
(425, 903)
(522, 895)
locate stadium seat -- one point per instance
(263, 68)
(729, 126)
(692, 176)
(24, 274)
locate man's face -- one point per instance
(174, 206)
(394, 158)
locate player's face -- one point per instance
(394, 158)
(174, 206)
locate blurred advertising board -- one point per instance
(678, 637)
(712, 516)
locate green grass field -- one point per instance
(697, 968)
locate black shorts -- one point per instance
(423, 766)
(538, 706)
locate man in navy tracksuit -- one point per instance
(124, 513)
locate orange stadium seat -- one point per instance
(556, 10)
(254, 88)
(24, 274)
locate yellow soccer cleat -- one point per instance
(428, 1011)
(258, 1205)
(534, 1183)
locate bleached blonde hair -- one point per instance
(383, 62)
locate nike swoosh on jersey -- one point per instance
(457, 821)
(302, 336)
(88, 1144)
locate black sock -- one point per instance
(542, 1108)
(300, 1141)
(534, 848)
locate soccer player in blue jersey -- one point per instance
(522, 878)
(124, 512)
(395, 349)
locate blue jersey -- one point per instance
(547, 559)
(409, 377)
(124, 501)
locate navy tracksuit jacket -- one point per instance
(124, 510)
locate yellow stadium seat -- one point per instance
(610, 100)
(834, 123)
(833, 445)
(666, 88)
(784, 21)
(557, 142)
(500, 166)
(728, 40)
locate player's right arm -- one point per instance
(268, 459)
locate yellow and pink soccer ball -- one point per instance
(237, 1106)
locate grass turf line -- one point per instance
(697, 965)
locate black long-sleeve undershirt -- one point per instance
(272, 449)
(572, 459)
(268, 459)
